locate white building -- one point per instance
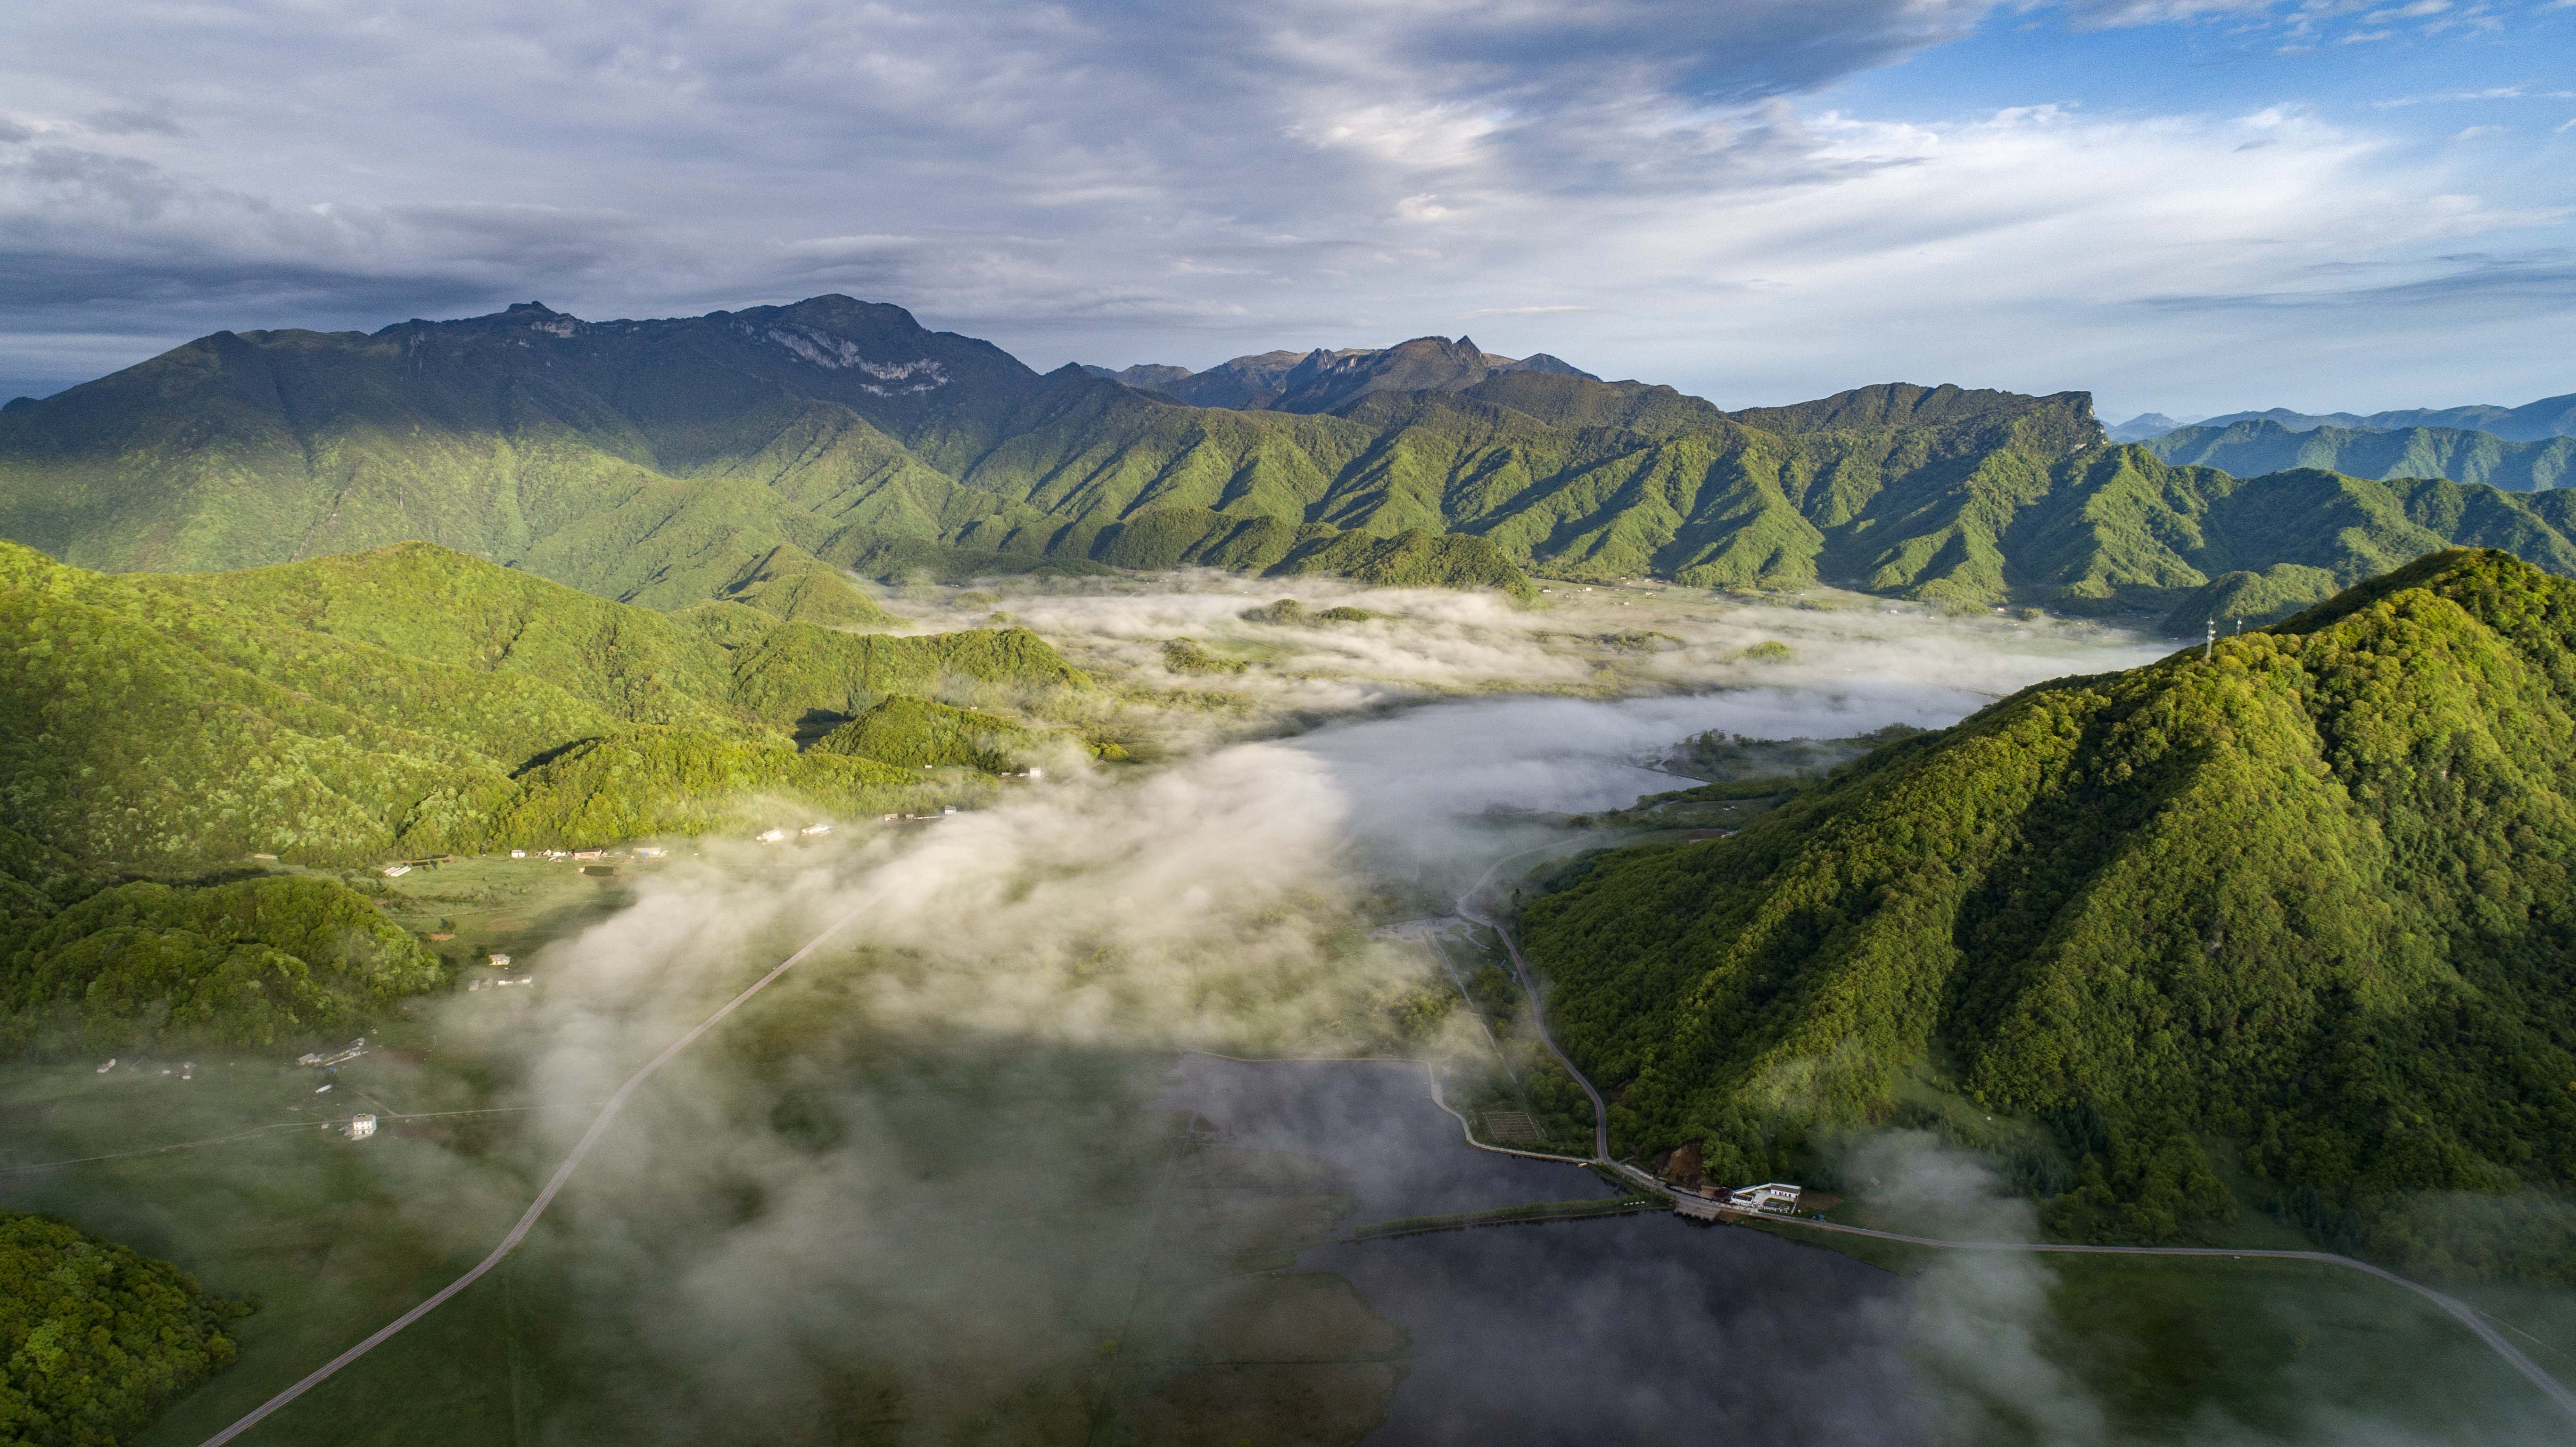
(769, 836)
(813, 829)
(499, 962)
(1777, 1196)
(361, 1127)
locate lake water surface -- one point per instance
(1631, 1329)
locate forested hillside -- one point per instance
(95, 1340)
(2303, 903)
(2250, 448)
(415, 699)
(753, 455)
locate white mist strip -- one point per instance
(545, 1198)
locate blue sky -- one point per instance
(2186, 205)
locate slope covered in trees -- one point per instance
(414, 699)
(95, 1340)
(748, 456)
(2305, 901)
(248, 963)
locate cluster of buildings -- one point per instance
(332, 1059)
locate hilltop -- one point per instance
(415, 699)
(759, 454)
(2298, 910)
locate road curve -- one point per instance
(2466, 1314)
(1538, 1008)
(545, 1198)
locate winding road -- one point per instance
(2464, 1313)
(1529, 987)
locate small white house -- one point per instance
(1777, 1196)
(499, 962)
(361, 1127)
(396, 871)
(518, 854)
(810, 830)
(769, 836)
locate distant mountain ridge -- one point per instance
(2251, 447)
(1321, 380)
(761, 453)
(2532, 422)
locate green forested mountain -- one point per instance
(2250, 448)
(415, 699)
(2304, 902)
(752, 455)
(2531, 422)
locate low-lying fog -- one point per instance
(935, 1169)
(1009, 987)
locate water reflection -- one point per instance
(1631, 1329)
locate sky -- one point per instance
(2190, 206)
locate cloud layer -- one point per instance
(1675, 191)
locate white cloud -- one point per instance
(1183, 182)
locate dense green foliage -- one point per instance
(95, 1341)
(748, 455)
(249, 963)
(1290, 611)
(2309, 895)
(645, 782)
(336, 710)
(1188, 655)
(911, 733)
(2249, 448)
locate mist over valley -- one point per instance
(1288, 725)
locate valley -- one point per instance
(1095, 1231)
(918, 902)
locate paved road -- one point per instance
(2466, 1314)
(545, 1198)
(1467, 910)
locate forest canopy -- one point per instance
(2303, 900)
(95, 1340)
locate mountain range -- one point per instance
(2292, 911)
(768, 451)
(2532, 422)
(2251, 447)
